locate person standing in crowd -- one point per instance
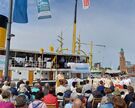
(19, 82)
(101, 87)
(61, 87)
(73, 87)
(112, 86)
(28, 86)
(59, 77)
(86, 87)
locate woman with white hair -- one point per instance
(23, 91)
(6, 86)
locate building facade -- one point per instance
(126, 67)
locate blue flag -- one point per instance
(43, 9)
(20, 11)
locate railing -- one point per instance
(36, 64)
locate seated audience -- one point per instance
(5, 102)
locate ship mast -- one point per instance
(74, 29)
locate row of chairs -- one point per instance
(95, 103)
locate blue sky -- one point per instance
(108, 22)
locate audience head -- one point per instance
(87, 81)
(130, 89)
(52, 90)
(61, 82)
(79, 90)
(39, 95)
(5, 94)
(36, 85)
(21, 101)
(77, 103)
(6, 83)
(111, 83)
(118, 102)
(27, 82)
(107, 90)
(101, 82)
(74, 84)
(46, 85)
(13, 84)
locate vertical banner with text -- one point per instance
(20, 11)
(43, 9)
(86, 4)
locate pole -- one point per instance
(91, 55)
(74, 30)
(61, 44)
(79, 45)
(8, 40)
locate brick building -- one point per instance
(124, 67)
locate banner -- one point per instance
(86, 4)
(2, 62)
(43, 9)
(20, 11)
(79, 67)
(3, 29)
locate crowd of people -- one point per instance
(71, 93)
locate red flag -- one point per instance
(86, 4)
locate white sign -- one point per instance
(79, 67)
(2, 62)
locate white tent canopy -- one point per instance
(113, 71)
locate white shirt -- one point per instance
(5, 87)
(61, 89)
(127, 81)
(86, 87)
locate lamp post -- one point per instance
(9, 35)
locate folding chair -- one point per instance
(95, 102)
(51, 105)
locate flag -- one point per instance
(43, 9)
(20, 11)
(3, 29)
(86, 4)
